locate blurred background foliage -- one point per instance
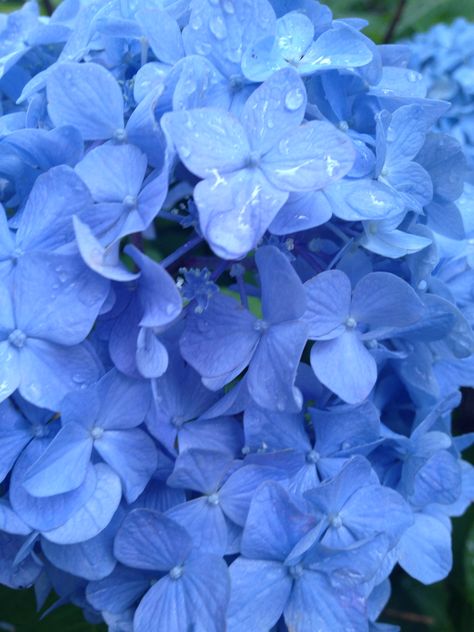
(447, 606)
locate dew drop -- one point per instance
(218, 28)
(228, 7)
(176, 572)
(195, 22)
(351, 322)
(184, 151)
(294, 99)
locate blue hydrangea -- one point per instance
(236, 312)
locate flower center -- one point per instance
(176, 572)
(17, 338)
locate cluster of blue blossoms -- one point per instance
(445, 56)
(251, 432)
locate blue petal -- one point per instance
(236, 209)
(119, 591)
(381, 299)
(237, 492)
(205, 523)
(345, 366)
(274, 524)
(124, 401)
(87, 97)
(309, 157)
(365, 513)
(95, 514)
(132, 455)
(424, 551)
(200, 470)
(46, 513)
(220, 342)
(159, 297)
(49, 371)
(222, 35)
(274, 110)
(332, 495)
(15, 434)
(437, 481)
(151, 355)
(223, 433)
(315, 604)
(46, 222)
(278, 431)
(168, 44)
(91, 560)
(150, 541)
(301, 212)
(111, 172)
(62, 467)
(329, 300)
(202, 592)
(260, 591)
(283, 295)
(10, 522)
(277, 358)
(209, 141)
(104, 261)
(23, 575)
(56, 297)
(338, 47)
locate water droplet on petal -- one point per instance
(413, 76)
(218, 27)
(195, 21)
(228, 7)
(184, 151)
(294, 99)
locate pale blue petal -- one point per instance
(151, 355)
(205, 523)
(274, 524)
(63, 465)
(91, 560)
(272, 373)
(104, 261)
(235, 210)
(309, 157)
(66, 313)
(200, 470)
(209, 141)
(301, 212)
(150, 541)
(424, 551)
(111, 172)
(49, 371)
(46, 513)
(283, 295)
(382, 299)
(260, 591)
(86, 96)
(315, 604)
(221, 340)
(345, 366)
(46, 221)
(95, 514)
(329, 299)
(132, 455)
(275, 109)
(159, 297)
(237, 492)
